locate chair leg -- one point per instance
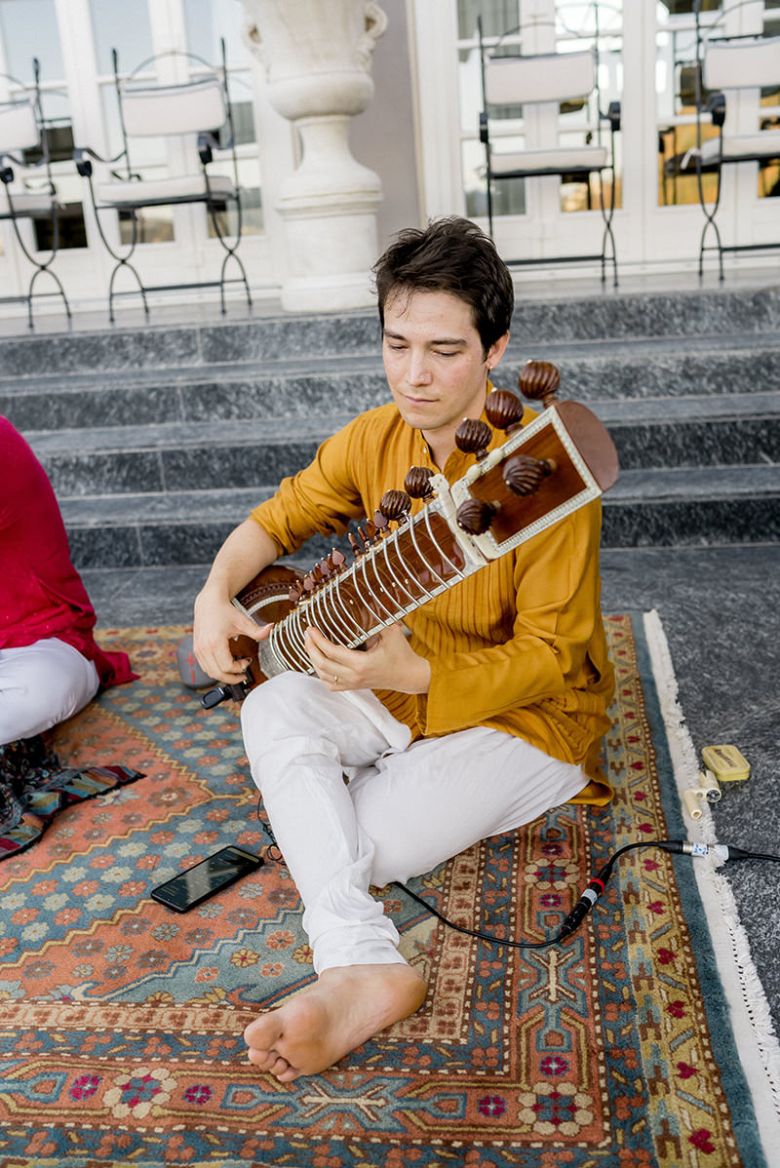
(489, 181)
(710, 213)
(124, 262)
(608, 246)
(230, 253)
(40, 267)
(41, 270)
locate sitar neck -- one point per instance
(395, 574)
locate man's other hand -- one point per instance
(216, 622)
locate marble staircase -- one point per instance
(158, 439)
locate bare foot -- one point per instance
(347, 1006)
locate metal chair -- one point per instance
(730, 65)
(556, 78)
(24, 129)
(201, 107)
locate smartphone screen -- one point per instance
(203, 880)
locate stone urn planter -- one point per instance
(317, 55)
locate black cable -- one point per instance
(590, 894)
(269, 831)
(595, 887)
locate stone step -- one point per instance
(666, 507)
(590, 371)
(189, 456)
(543, 320)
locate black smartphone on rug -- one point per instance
(196, 884)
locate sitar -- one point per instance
(543, 471)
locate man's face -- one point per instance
(435, 366)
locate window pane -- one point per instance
(153, 224)
(685, 7)
(251, 200)
(498, 16)
(207, 21)
(29, 29)
(123, 25)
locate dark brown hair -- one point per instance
(450, 255)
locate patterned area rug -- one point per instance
(121, 1021)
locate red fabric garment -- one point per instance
(41, 593)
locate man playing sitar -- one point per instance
(455, 674)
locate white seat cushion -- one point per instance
(762, 145)
(26, 203)
(742, 63)
(18, 127)
(173, 109)
(160, 190)
(544, 77)
(593, 157)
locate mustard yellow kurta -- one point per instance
(519, 646)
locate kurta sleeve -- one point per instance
(557, 587)
(321, 499)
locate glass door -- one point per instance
(647, 55)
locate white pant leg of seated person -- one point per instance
(426, 804)
(41, 685)
(299, 739)
(404, 811)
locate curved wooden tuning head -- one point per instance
(539, 381)
(475, 516)
(395, 505)
(473, 437)
(504, 410)
(524, 475)
(418, 482)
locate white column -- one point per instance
(317, 55)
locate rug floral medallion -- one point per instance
(121, 1021)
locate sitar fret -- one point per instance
(389, 580)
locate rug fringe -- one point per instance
(751, 1018)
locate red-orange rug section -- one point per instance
(121, 1021)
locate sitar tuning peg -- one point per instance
(395, 505)
(475, 516)
(418, 482)
(539, 381)
(473, 437)
(504, 410)
(524, 475)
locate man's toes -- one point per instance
(262, 1059)
(262, 1034)
(279, 1066)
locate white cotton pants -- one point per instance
(404, 809)
(41, 685)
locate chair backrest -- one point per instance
(149, 111)
(18, 126)
(544, 77)
(742, 64)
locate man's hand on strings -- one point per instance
(387, 663)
